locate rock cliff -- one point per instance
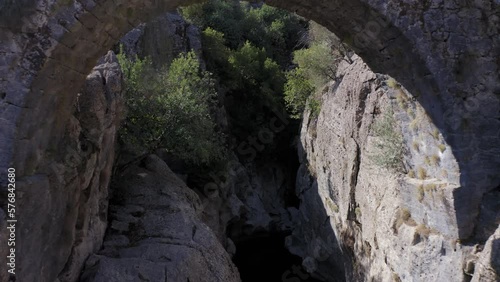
(377, 223)
(156, 233)
(72, 218)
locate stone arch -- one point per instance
(444, 52)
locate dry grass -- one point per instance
(411, 173)
(392, 83)
(358, 212)
(414, 124)
(430, 187)
(421, 173)
(403, 216)
(444, 173)
(423, 231)
(435, 134)
(332, 205)
(435, 160)
(421, 193)
(427, 160)
(402, 100)
(410, 113)
(442, 147)
(416, 146)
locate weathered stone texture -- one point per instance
(374, 223)
(444, 52)
(62, 207)
(156, 233)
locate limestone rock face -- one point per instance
(156, 233)
(377, 223)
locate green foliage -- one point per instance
(389, 146)
(251, 68)
(215, 51)
(315, 66)
(297, 90)
(318, 63)
(170, 109)
(247, 47)
(314, 106)
(275, 30)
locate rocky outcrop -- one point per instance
(156, 233)
(163, 39)
(60, 227)
(377, 223)
(248, 200)
(88, 163)
(487, 267)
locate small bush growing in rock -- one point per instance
(435, 134)
(392, 83)
(421, 173)
(431, 187)
(435, 160)
(389, 146)
(315, 66)
(357, 211)
(421, 192)
(442, 147)
(427, 160)
(416, 146)
(332, 205)
(403, 216)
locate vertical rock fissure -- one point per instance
(351, 215)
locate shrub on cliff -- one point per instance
(315, 66)
(297, 90)
(169, 109)
(389, 145)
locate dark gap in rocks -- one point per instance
(264, 258)
(291, 159)
(3, 95)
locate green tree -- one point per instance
(318, 63)
(171, 110)
(315, 66)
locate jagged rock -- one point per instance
(487, 267)
(156, 233)
(71, 218)
(90, 141)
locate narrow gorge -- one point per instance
(387, 170)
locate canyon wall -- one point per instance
(444, 52)
(156, 232)
(71, 218)
(377, 223)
